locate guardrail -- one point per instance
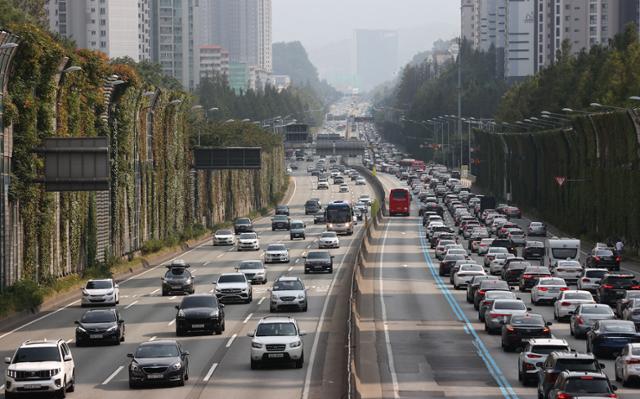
(373, 181)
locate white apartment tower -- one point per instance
(118, 28)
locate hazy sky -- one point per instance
(320, 23)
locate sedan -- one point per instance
(201, 312)
(161, 361)
(100, 325)
(248, 241)
(254, 270)
(497, 264)
(276, 253)
(586, 316)
(501, 312)
(329, 239)
(547, 290)
(521, 328)
(568, 302)
(282, 210)
(609, 337)
(243, 225)
(537, 229)
(223, 237)
(464, 275)
(489, 297)
(318, 261)
(627, 366)
(568, 270)
(319, 218)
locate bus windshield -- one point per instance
(339, 214)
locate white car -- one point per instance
(500, 313)
(224, 237)
(42, 367)
(366, 199)
(249, 242)
(627, 365)
(569, 301)
(491, 254)
(568, 270)
(288, 293)
(344, 188)
(497, 264)
(536, 351)
(233, 287)
(254, 270)
(322, 185)
(484, 245)
(465, 274)
(441, 248)
(277, 339)
(100, 292)
(329, 239)
(360, 181)
(276, 253)
(548, 289)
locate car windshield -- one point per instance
(564, 253)
(510, 305)
(297, 225)
(595, 273)
(276, 247)
(587, 385)
(251, 265)
(552, 282)
(281, 218)
(329, 234)
(99, 285)
(157, 350)
(232, 278)
(318, 255)
(497, 250)
(578, 295)
(454, 257)
(37, 354)
(500, 295)
(243, 221)
(177, 271)
(576, 364)
(618, 327)
(527, 320)
(248, 236)
(339, 214)
(98, 316)
(604, 252)
(537, 270)
(596, 310)
(288, 285)
(310, 203)
(208, 301)
(444, 243)
(547, 349)
(495, 285)
(223, 233)
(276, 329)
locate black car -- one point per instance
(157, 362)
(522, 328)
(614, 285)
(444, 235)
(319, 218)
(178, 279)
(318, 261)
(505, 243)
(243, 225)
(338, 180)
(488, 285)
(448, 262)
(282, 210)
(533, 250)
(603, 257)
(511, 272)
(531, 275)
(576, 384)
(201, 312)
(100, 325)
(557, 362)
(473, 285)
(609, 337)
(311, 207)
(280, 222)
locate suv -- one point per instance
(536, 351)
(571, 384)
(590, 279)
(280, 222)
(318, 261)
(40, 366)
(201, 312)
(277, 339)
(288, 292)
(311, 207)
(243, 225)
(557, 362)
(533, 250)
(296, 229)
(614, 285)
(282, 210)
(178, 279)
(233, 287)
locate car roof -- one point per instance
(589, 374)
(101, 279)
(571, 355)
(288, 278)
(232, 274)
(159, 342)
(548, 341)
(41, 343)
(276, 319)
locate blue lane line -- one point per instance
(483, 352)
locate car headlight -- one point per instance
(300, 296)
(295, 344)
(214, 314)
(188, 281)
(218, 290)
(109, 293)
(113, 328)
(274, 297)
(244, 289)
(85, 292)
(134, 367)
(259, 274)
(330, 225)
(12, 373)
(256, 345)
(176, 366)
(81, 329)
(180, 313)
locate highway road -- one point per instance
(433, 339)
(219, 364)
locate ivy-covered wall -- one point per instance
(154, 196)
(600, 158)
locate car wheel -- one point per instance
(455, 286)
(62, 393)
(331, 270)
(72, 385)
(615, 371)
(306, 271)
(186, 375)
(179, 332)
(300, 362)
(254, 365)
(164, 293)
(305, 308)
(521, 377)
(219, 329)
(272, 309)
(181, 381)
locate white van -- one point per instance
(562, 249)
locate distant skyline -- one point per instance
(320, 25)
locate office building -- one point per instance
(212, 61)
(376, 57)
(519, 47)
(470, 18)
(118, 28)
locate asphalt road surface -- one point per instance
(219, 364)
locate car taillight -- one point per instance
(580, 320)
(586, 280)
(533, 356)
(618, 258)
(607, 286)
(632, 361)
(564, 288)
(565, 303)
(635, 287)
(527, 276)
(496, 315)
(481, 292)
(546, 329)
(543, 289)
(596, 258)
(562, 395)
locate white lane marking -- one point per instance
(69, 340)
(135, 296)
(1, 387)
(261, 300)
(220, 256)
(193, 270)
(247, 318)
(211, 290)
(297, 261)
(152, 338)
(171, 322)
(290, 268)
(113, 375)
(316, 338)
(405, 265)
(131, 304)
(38, 319)
(230, 342)
(205, 263)
(309, 246)
(154, 291)
(392, 366)
(172, 298)
(210, 372)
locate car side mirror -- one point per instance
(186, 353)
(332, 256)
(130, 355)
(177, 307)
(7, 360)
(116, 286)
(548, 323)
(614, 387)
(304, 257)
(250, 334)
(237, 268)
(120, 321)
(302, 333)
(602, 365)
(68, 358)
(528, 309)
(511, 288)
(76, 322)
(571, 313)
(221, 305)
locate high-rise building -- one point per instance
(470, 19)
(519, 46)
(119, 28)
(243, 27)
(212, 61)
(376, 57)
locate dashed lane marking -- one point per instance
(290, 268)
(172, 298)
(112, 376)
(220, 256)
(205, 263)
(210, 372)
(249, 316)
(154, 291)
(171, 322)
(230, 342)
(131, 304)
(261, 300)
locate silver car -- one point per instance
(547, 289)
(288, 293)
(491, 296)
(586, 315)
(534, 352)
(276, 253)
(500, 313)
(627, 365)
(254, 270)
(590, 279)
(537, 229)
